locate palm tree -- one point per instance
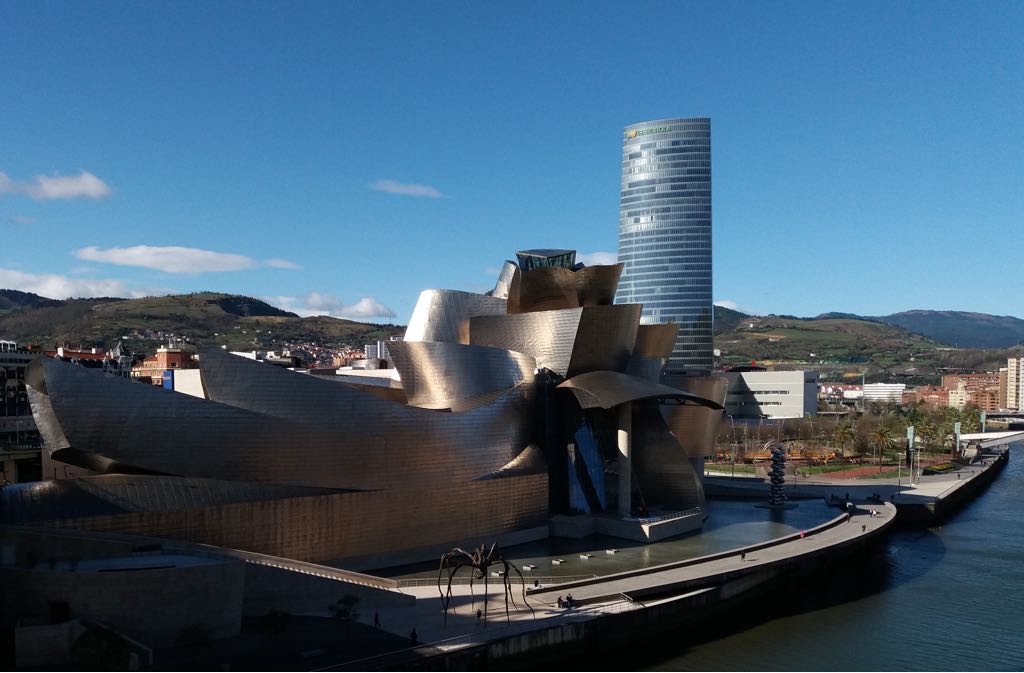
(842, 434)
(927, 431)
(881, 438)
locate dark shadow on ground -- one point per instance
(293, 643)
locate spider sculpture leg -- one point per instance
(522, 585)
(447, 599)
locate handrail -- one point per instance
(494, 633)
(667, 517)
(832, 523)
(514, 579)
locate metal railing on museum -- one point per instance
(483, 634)
(667, 517)
(514, 579)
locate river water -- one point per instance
(948, 598)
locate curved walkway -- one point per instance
(600, 596)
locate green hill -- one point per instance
(838, 346)
(203, 318)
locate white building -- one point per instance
(772, 394)
(884, 393)
(1014, 383)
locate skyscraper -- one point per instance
(665, 231)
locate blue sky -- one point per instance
(339, 157)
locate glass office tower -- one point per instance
(665, 232)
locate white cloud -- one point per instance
(276, 263)
(177, 259)
(492, 270)
(725, 303)
(61, 287)
(597, 258)
(407, 189)
(22, 219)
(321, 303)
(50, 187)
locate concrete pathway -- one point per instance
(596, 597)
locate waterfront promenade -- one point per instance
(697, 585)
(929, 499)
(725, 574)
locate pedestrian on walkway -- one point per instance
(743, 556)
(413, 638)
(376, 620)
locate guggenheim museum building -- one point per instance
(539, 404)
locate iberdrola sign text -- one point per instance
(646, 132)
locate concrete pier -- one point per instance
(616, 607)
(928, 502)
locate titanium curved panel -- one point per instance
(153, 429)
(662, 468)
(383, 443)
(546, 336)
(439, 315)
(361, 442)
(439, 375)
(610, 389)
(568, 341)
(42, 411)
(656, 341)
(696, 428)
(546, 288)
(551, 288)
(596, 285)
(504, 282)
(605, 339)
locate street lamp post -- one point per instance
(732, 444)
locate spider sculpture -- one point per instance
(479, 561)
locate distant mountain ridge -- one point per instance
(961, 329)
(240, 322)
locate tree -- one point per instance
(882, 439)
(928, 432)
(842, 434)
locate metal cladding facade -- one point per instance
(553, 287)
(665, 231)
(568, 341)
(395, 473)
(606, 390)
(480, 443)
(439, 315)
(439, 375)
(695, 427)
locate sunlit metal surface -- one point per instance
(655, 341)
(264, 423)
(569, 341)
(695, 428)
(551, 288)
(439, 375)
(606, 390)
(408, 472)
(504, 282)
(439, 315)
